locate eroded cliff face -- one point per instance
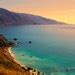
(9, 65)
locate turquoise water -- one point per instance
(52, 49)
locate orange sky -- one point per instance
(61, 10)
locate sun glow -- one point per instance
(59, 15)
(60, 10)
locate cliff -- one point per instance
(11, 18)
(9, 65)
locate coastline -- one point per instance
(14, 58)
(7, 52)
(8, 63)
(32, 71)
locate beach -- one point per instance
(8, 63)
(52, 48)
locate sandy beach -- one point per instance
(9, 56)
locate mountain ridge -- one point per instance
(12, 18)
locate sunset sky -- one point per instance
(61, 10)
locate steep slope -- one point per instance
(12, 18)
(8, 64)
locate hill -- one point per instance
(11, 18)
(8, 64)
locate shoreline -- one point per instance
(9, 62)
(33, 71)
(13, 55)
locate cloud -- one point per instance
(39, 3)
(2, 1)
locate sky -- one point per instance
(60, 10)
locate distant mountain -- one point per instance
(11, 18)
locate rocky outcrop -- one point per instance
(9, 65)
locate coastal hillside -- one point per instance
(8, 64)
(11, 18)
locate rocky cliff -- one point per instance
(9, 65)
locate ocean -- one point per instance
(52, 47)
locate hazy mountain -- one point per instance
(11, 18)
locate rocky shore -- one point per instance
(9, 65)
